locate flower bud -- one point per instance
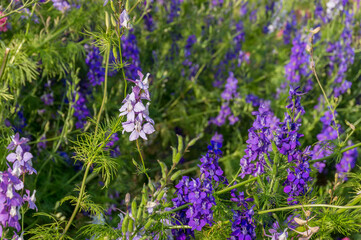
(180, 143)
(127, 198)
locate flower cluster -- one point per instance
(259, 141)
(209, 167)
(81, 110)
(243, 225)
(342, 56)
(130, 53)
(287, 142)
(298, 177)
(193, 68)
(328, 133)
(138, 121)
(173, 10)
(229, 93)
(94, 61)
(334, 8)
(287, 136)
(199, 194)
(11, 185)
(347, 162)
(298, 66)
(61, 5)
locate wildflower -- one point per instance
(299, 62)
(124, 20)
(209, 167)
(243, 225)
(11, 185)
(61, 5)
(259, 141)
(287, 142)
(130, 54)
(138, 121)
(199, 194)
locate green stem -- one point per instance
(235, 177)
(179, 208)
(335, 154)
(227, 189)
(83, 184)
(5, 60)
(313, 67)
(141, 157)
(307, 205)
(82, 189)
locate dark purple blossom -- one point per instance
(259, 141)
(130, 53)
(298, 67)
(342, 55)
(243, 225)
(209, 167)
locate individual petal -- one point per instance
(130, 116)
(148, 128)
(139, 107)
(27, 156)
(128, 126)
(134, 136)
(11, 157)
(142, 134)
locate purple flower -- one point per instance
(287, 142)
(61, 5)
(48, 99)
(218, 138)
(209, 167)
(199, 194)
(298, 67)
(259, 141)
(130, 53)
(16, 141)
(243, 225)
(124, 20)
(138, 121)
(10, 184)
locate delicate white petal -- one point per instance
(124, 107)
(130, 116)
(139, 107)
(142, 134)
(148, 128)
(128, 126)
(134, 136)
(140, 74)
(27, 156)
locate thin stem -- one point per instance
(235, 177)
(307, 205)
(179, 208)
(335, 154)
(141, 157)
(227, 189)
(82, 189)
(83, 184)
(5, 60)
(313, 67)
